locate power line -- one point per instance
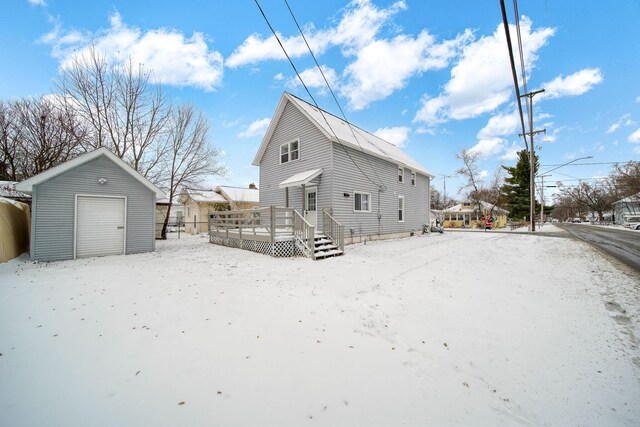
(589, 164)
(333, 95)
(523, 73)
(513, 70)
(308, 91)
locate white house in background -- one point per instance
(627, 206)
(199, 203)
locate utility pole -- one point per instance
(532, 156)
(444, 196)
(542, 197)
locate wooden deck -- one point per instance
(275, 231)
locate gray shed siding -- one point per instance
(348, 179)
(314, 153)
(54, 204)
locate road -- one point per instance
(624, 245)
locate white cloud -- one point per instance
(37, 2)
(384, 66)
(625, 120)
(574, 84)
(638, 99)
(483, 173)
(636, 150)
(278, 77)
(256, 128)
(398, 135)
(174, 58)
(423, 130)
(313, 78)
(359, 24)
(511, 153)
(635, 136)
(481, 81)
(500, 125)
(487, 148)
(549, 139)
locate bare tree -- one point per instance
(126, 112)
(9, 143)
(187, 156)
(477, 191)
(595, 197)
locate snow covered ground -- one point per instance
(455, 329)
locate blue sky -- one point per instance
(430, 76)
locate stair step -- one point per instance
(325, 254)
(325, 247)
(323, 241)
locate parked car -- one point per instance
(632, 222)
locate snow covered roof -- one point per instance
(238, 194)
(301, 178)
(205, 196)
(337, 130)
(8, 190)
(471, 207)
(634, 198)
(27, 185)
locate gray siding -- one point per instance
(54, 204)
(383, 218)
(315, 152)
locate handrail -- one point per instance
(304, 233)
(333, 229)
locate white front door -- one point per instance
(100, 226)
(310, 205)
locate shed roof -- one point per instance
(205, 196)
(301, 178)
(340, 131)
(634, 198)
(27, 185)
(8, 189)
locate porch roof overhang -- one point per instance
(301, 178)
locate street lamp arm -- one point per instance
(565, 164)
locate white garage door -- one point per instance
(100, 225)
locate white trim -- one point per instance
(26, 186)
(368, 202)
(307, 190)
(403, 209)
(75, 220)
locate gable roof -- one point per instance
(237, 194)
(27, 185)
(338, 130)
(8, 189)
(634, 198)
(204, 196)
(485, 206)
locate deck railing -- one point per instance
(304, 234)
(333, 229)
(269, 222)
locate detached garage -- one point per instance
(93, 205)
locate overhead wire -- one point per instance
(315, 60)
(309, 92)
(523, 72)
(513, 71)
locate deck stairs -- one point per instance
(324, 247)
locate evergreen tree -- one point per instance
(516, 188)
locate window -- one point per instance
(400, 208)
(400, 174)
(289, 151)
(361, 202)
(413, 178)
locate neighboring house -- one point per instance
(469, 214)
(93, 205)
(198, 204)
(8, 191)
(176, 216)
(627, 206)
(312, 161)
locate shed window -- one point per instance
(400, 208)
(400, 174)
(361, 202)
(289, 151)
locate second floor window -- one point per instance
(413, 179)
(289, 152)
(400, 174)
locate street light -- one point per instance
(546, 173)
